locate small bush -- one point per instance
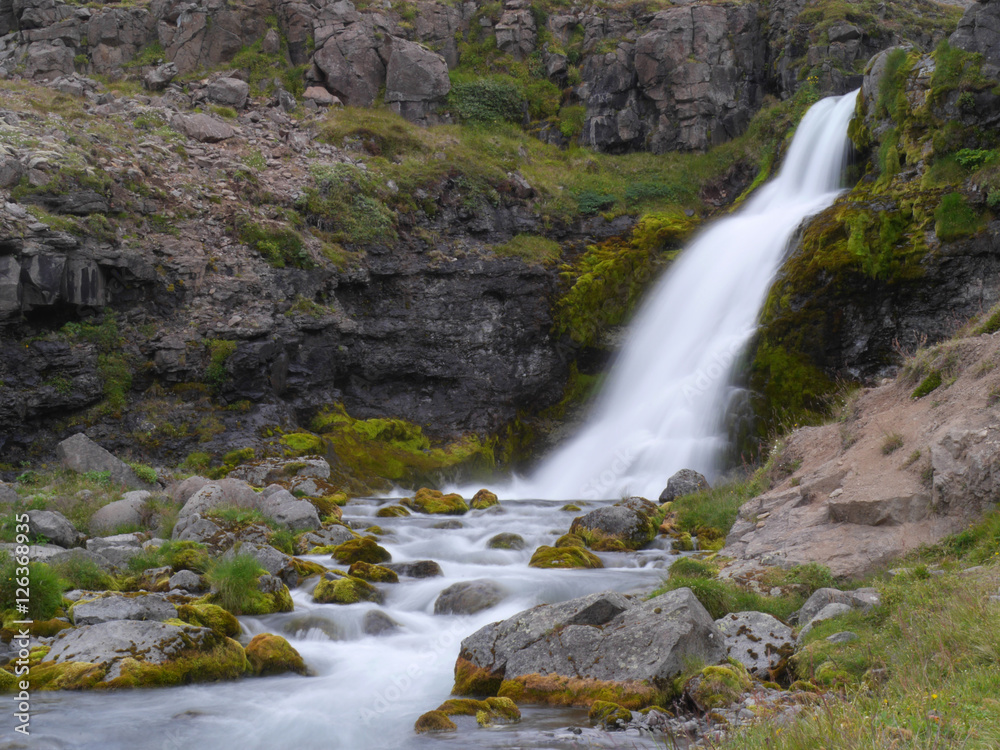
(234, 581)
(279, 246)
(487, 100)
(44, 583)
(144, 472)
(81, 573)
(219, 352)
(927, 385)
(892, 443)
(592, 202)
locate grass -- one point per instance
(44, 584)
(531, 249)
(234, 582)
(892, 443)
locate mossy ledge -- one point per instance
(558, 690)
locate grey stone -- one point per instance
(129, 511)
(468, 597)
(325, 537)
(864, 599)
(285, 508)
(377, 622)
(684, 482)
(108, 643)
(194, 528)
(119, 607)
(415, 74)
(979, 31)
(758, 641)
(75, 555)
(53, 526)
(269, 470)
(81, 454)
(228, 92)
(319, 95)
(119, 557)
(187, 580)
(225, 493)
(649, 640)
(415, 568)
(11, 172)
(274, 561)
(352, 65)
(160, 77)
(203, 128)
(828, 612)
(101, 543)
(629, 521)
(183, 491)
(845, 636)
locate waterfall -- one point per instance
(662, 407)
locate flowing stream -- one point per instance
(660, 412)
(662, 408)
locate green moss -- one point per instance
(373, 573)
(8, 682)
(392, 511)
(473, 680)
(487, 712)
(719, 686)
(531, 249)
(564, 557)
(434, 721)
(570, 540)
(210, 616)
(279, 246)
(360, 550)
(271, 654)
(570, 507)
(608, 714)
(436, 502)
(219, 353)
(929, 384)
(303, 443)
(954, 219)
(484, 499)
(346, 590)
(558, 690)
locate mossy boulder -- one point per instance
(392, 511)
(569, 540)
(718, 686)
(373, 573)
(434, 721)
(683, 542)
(306, 568)
(303, 444)
(210, 616)
(436, 502)
(627, 525)
(8, 682)
(361, 550)
(487, 712)
(132, 653)
(474, 680)
(484, 499)
(506, 541)
(564, 557)
(609, 715)
(271, 654)
(571, 507)
(346, 590)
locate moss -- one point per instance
(484, 499)
(929, 384)
(434, 721)
(530, 249)
(210, 616)
(360, 550)
(392, 511)
(303, 443)
(219, 353)
(608, 714)
(306, 568)
(682, 542)
(8, 682)
(271, 654)
(569, 540)
(473, 680)
(570, 507)
(487, 712)
(718, 686)
(557, 690)
(954, 219)
(564, 557)
(436, 502)
(346, 590)
(373, 573)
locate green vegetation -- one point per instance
(531, 249)
(82, 573)
(234, 587)
(263, 69)
(42, 581)
(955, 219)
(892, 443)
(564, 557)
(114, 366)
(219, 352)
(279, 246)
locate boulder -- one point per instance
(484, 499)
(120, 607)
(377, 622)
(373, 573)
(285, 508)
(328, 536)
(77, 554)
(564, 557)
(363, 549)
(187, 580)
(640, 646)
(415, 569)
(194, 528)
(828, 612)
(53, 526)
(864, 599)
(183, 491)
(160, 77)
(129, 511)
(132, 653)
(506, 541)
(269, 470)
(203, 128)
(339, 589)
(81, 454)
(436, 502)
(225, 493)
(11, 172)
(228, 92)
(684, 482)
(352, 65)
(321, 96)
(758, 641)
(274, 561)
(416, 79)
(468, 597)
(979, 31)
(272, 654)
(629, 524)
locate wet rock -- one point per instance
(629, 524)
(758, 641)
(228, 92)
(392, 511)
(506, 541)
(564, 557)
(337, 589)
(484, 499)
(271, 654)
(468, 597)
(416, 569)
(203, 128)
(54, 526)
(377, 622)
(329, 536)
(436, 502)
(121, 607)
(82, 455)
(453, 524)
(684, 482)
(373, 573)
(364, 550)
(650, 640)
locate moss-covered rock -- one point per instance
(560, 690)
(570, 540)
(683, 542)
(564, 557)
(436, 502)
(506, 540)
(272, 654)
(210, 616)
(346, 590)
(473, 680)
(373, 573)
(306, 568)
(718, 686)
(8, 682)
(609, 715)
(484, 499)
(434, 721)
(360, 550)
(392, 511)
(490, 711)
(571, 508)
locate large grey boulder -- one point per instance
(261, 473)
(274, 561)
(75, 555)
(979, 31)
(81, 454)
(629, 522)
(203, 128)
(183, 491)
(864, 599)
(228, 92)
(8, 494)
(129, 511)
(118, 607)
(828, 612)
(225, 493)
(377, 622)
(758, 641)
(352, 65)
(53, 526)
(194, 528)
(416, 79)
(187, 580)
(468, 597)
(604, 636)
(684, 482)
(285, 508)
(11, 171)
(100, 543)
(160, 77)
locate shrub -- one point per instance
(892, 443)
(81, 573)
(44, 584)
(591, 202)
(219, 352)
(234, 581)
(145, 472)
(279, 246)
(489, 100)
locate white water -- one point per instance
(663, 405)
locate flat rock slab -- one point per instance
(116, 607)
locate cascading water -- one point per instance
(662, 407)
